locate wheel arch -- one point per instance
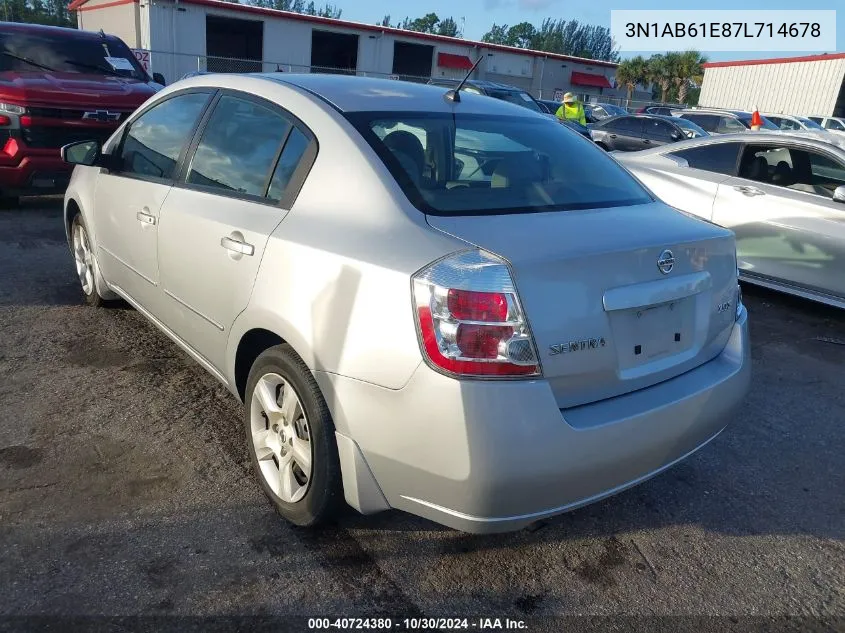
(253, 333)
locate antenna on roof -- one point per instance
(102, 33)
(452, 95)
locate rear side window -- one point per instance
(289, 160)
(468, 164)
(630, 125)
(719, 158)
(833, 124)
(155, 140)
(239, 147)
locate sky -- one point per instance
(479, 15)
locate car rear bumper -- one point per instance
(493, 456)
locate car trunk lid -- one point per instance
(606, 319)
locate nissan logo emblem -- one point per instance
(666, 262)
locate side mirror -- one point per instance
(839, 194)
(82, 153)
(159, 79)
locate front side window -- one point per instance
(465, 164)
(519, 98)
(239, 147)
(29, 52)
(155, 140)
(718, 158)
(658, 130)
(793, 168)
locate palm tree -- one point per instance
(661, 71)
(631, 72)
(687, 70)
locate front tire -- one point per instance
(290, 436)
(83, 258)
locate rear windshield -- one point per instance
(468, 164)
(26, 52)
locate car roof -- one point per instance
(53, 31)
(740, 114)
(349, 93)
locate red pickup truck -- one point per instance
(57, 86)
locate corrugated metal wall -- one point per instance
(792, 88)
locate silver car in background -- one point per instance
(450, 306)
(782, 194)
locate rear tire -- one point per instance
(290, 437)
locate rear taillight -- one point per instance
(470, 320)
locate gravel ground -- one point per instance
(125, 488)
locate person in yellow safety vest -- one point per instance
(571, 110)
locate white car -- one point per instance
(830, 123)
(782, 193)
(789, 122)
(453, 307)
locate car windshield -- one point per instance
(465, 164)
(514, 96)
(27, 52)
(809, 123)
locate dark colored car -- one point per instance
(635, 132)
(58, 86)
(504, 92)
(664, 109)
(596, 112)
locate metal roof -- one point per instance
(78, 5)
(775, 60)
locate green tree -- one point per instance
(498, 34)
(662, 70)
(521, 35)
(425, 24)
(688, 72)
(631, 72)
(448, 27)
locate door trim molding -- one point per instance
(134, 270)
(194, 310)
(172, 335)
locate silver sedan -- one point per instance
(782, 194)
(444, 304)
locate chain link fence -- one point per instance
(180, 65)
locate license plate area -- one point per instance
(653, 333)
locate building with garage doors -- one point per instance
(811, 85)
(176, 37)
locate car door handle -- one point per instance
(646, 141)
(749, 191)
(145, 218)
(612, 135)
(236, 246)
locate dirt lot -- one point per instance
(125, 488)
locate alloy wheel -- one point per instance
(281, 437)
(83, 258)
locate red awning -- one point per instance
(589, 79)
(447, 60)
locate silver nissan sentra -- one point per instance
(444, 304)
